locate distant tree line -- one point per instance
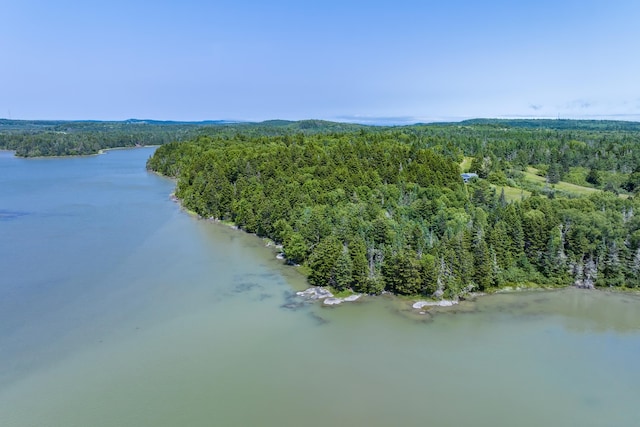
(38, 138)
(53, 138)
(600, 154)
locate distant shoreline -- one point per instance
(104, 150)
(71, 156)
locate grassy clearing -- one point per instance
(512, 194)
(465, 164)
(531, 175)
(576, 189)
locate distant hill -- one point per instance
(558, 124)
(31, 138)
(286, 127)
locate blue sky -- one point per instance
(368, 61)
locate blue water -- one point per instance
(65, 226)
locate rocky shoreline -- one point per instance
(327, 298)
(421, 306)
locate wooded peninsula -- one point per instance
(373, 209)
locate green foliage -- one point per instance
(295, 249)
(374, 208)
(343, 271)
(483, 264)
(65, 138)
(385, 208)
(593, 177)
(323, 262)
(429, 274)
(632, 184)
(359, 266)
(401, 272)
(497, 178)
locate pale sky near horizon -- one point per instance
(366, 61)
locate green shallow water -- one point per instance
(118, 309)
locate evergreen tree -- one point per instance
(612, 273)
(323, 261)
(593, 177)
(359, 265)
(483, 266)
(554, 174)
(429, 274)
(342, 276)
(295, 248)
(553, 259)
(501, 243)
(401, 273)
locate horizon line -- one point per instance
(365, 120)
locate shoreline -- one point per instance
(99, 153)
(417, 304)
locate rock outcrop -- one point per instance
(318, 293)
(315, 293)
(443, 303)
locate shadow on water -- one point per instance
(293, 302)
(319, 320)
(245, 287)
(264, 297)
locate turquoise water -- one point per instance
(118, 309)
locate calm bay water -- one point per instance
(118, 309)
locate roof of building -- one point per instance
(467, 176)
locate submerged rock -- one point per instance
(293, 305)
(443, 303)
(315, 293)
(336, 301)
(318, 293)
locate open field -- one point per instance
(512, 194)
(578, 190)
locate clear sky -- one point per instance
(369, 61)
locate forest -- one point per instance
(42, 138)
(67, 138)
(373, 209)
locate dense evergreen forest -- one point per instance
(385, 209)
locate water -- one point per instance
(118, 309)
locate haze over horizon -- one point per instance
(356, 61)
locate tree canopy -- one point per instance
(388, 210)
(384, 208)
